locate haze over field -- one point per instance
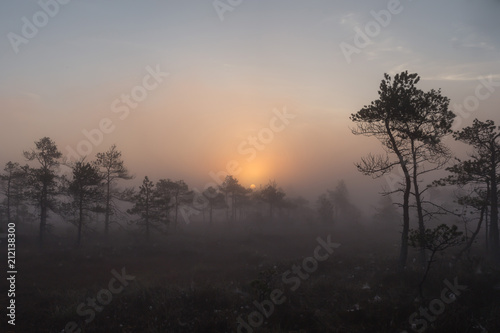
(250, 166)
(225, 78)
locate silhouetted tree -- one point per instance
(42, 180)
(179, 194)
(343, 208)
(12, 181)
(482, 169)
(112, 168)
(229, 187)
(85, 188)
(325, 209)
(410, 124)
(272, 195)
(215, 199)
(426, 125)
(241, 198)
(163, 199)
(144, 205)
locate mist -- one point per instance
(237, 166)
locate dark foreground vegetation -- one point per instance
(202, 280)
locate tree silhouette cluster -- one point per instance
(79, 192)
(411, 125)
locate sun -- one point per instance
(254, 173)
(253, 186)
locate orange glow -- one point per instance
(255, 172)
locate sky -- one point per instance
(261, 89)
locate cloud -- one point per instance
(350, 20)
(388, 48)
(471, 71)
(466, 37)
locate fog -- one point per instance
(246, 167)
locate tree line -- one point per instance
(91, 188)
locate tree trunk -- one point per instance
(147, 214)
(108, 207)
(8, 199)
(418, 200)
(494, 206)
(233, 208)
(475, 233)
(210, 214)
(227, 206)
(176, 210)
(43, 214)
(486, 227)
(80, 221)
(403, 255)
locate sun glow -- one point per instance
(254, 173)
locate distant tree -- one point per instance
(86, 188)
(335, 205)
(386, 215)
(288, 205)
(325, 209)
(410, 124)
(300, 202)
(482, 170)
(163, 198)
(272, 195)
(343, 208)
(144, 205)
(241, 199)
(12, 181)
(43, 180)
(179, 194)
(299, 209)
(112, 168)
(339, 198)
(215, 200)
(230, 187)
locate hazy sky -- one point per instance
(77, 66)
